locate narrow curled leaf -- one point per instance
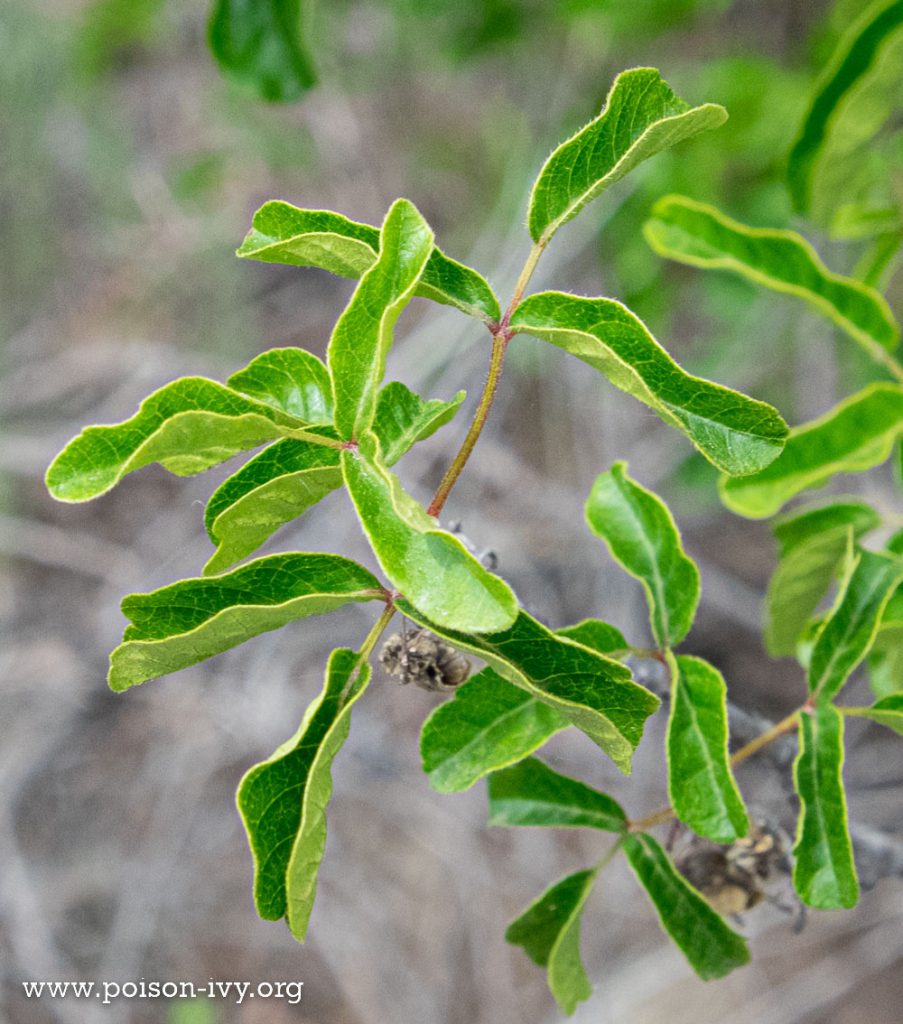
(712, 948)
(848, 632)
(430, 566)
(282, 801)
(487, 725)
(887, 712)
(854, 436)
(737, 434)
(187, 426)
(194, 619)
(530, 793)
(701, 785)
(856, 57)
(363, 334)
(812, 541)
(644, 540)
(289, 477)
(258, 43)
(824, 874)
(641, 117)
(549, 932)
(598, 636)
(282, 233)
(292, 380)
(592, 691)
(694, 233)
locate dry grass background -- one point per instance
(123, 857)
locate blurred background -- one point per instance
(129, 170)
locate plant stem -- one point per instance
(754, 746)
(501, 335)
(500, 340)
(377, 631)
(524, 280)
(785, 725)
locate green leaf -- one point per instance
(289, 477)
(885, 661)
(530, 793)
(592, 691)
(187, 426)
(258, 44)
(694, 233)
(549, 932)
(282, 233)
(813, 540)
(363, 334)
(888, 712)
(641, 117)
(857, 57)
(854, 436)
(644, 540)
(824, 874)
(598, 636)
(701, 786)
(487, 725)
(806, 522)
(702, 936)
(192, 620)
(291, 380)
(430, 566)
(735, 433)
(282, 801)
(849, 630)
(403, 419)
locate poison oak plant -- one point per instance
(337, 425)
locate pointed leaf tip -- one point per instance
(641, 117)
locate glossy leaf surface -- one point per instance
(362, 336)
(282, 233)
(282, 801)
(530, 793)
(292, 380)
(737, 434)
(286, 479)
(854, 436)
(812, 541)
(824, 874)
(258, 43)
(592, 691)
(641, 117)
(701, 785)
(488, 724)
(430, 566)
(712, 948)
(694, 233)
(849, 630)
(644, 540)
(194, 619)
(549, 932)
(187, 426)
